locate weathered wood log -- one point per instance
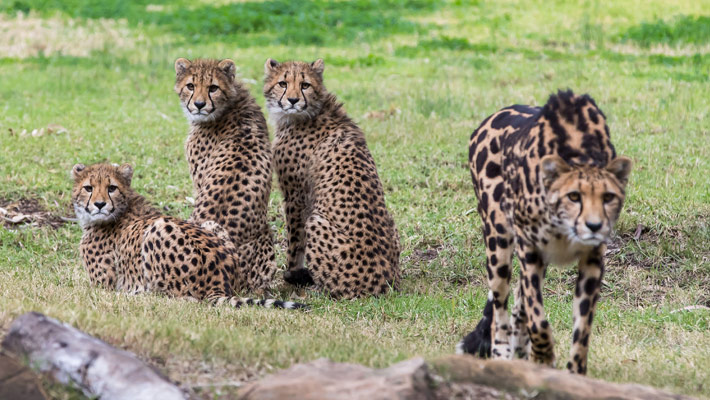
(73, 357)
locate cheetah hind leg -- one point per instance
(221, 233)
(520, 340)
(258, 262)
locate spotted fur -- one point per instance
(130, 246)
(229, 154)
(336, 216)
(549, 185)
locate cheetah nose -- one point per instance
(99, 204)
(594, 226)
(200, 104)
(293, 100)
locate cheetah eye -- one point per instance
(88, 188)
(608, 197)
(305, 85)
(112, 188)
(282, 84)
(190, 86)
(574, 196)
(213, 88)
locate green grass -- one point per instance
(418, 77)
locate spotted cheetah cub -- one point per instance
(229, 154)
(129, 246)
(335, 206)
(551, 187)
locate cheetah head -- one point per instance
(206, 88)
(100, 193)
(294, 88)
(584, 202)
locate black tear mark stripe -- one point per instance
(113, 207)
(284, 93)
(189, 100)
(91, 194)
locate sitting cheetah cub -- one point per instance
(334, 202)
(129, 246)
(550, 187)
(229, 154)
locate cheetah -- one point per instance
(229, 154)
(130, 246)
(337, 221)
(550, 186)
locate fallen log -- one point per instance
(73, 357)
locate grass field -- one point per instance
(418, 77)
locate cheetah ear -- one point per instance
(126, 172)
(552, 167)
(318, 66)
(270, 65)
(181, 65)
(621, 168)
(228, 67)
(76, 170)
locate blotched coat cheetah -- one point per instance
(550, 185)
(334, 202)
(229, 154)
(129, 246)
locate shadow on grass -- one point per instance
(315, 22)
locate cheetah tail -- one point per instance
(478, 342)
(238, 302)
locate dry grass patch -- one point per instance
(25, 36)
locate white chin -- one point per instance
(590, 240)
(279, 115)
(87, 220)
(198, 118)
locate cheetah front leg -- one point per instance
(586, 294)
(520, 340)
(294, 206)
(499, 261)
(532, 271)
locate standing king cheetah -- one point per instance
(549, 185)
(229, 154)
(334, 202)
(129, 246)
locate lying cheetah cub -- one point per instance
(550, 186)
(335, 206)
(128, 245)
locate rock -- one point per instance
(73, 357)
(451, 377)
(524, 378)
(323, 379)
(18, 381)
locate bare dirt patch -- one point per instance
(646, 265)
(21, 212)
